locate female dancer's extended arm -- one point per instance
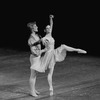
(51, 22)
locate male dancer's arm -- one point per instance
(43, 50)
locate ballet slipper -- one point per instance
(37, 92)
(34, 94)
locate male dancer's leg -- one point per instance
(32, 83)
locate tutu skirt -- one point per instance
(48, 60)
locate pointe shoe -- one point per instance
(51, 93)
(81, 51)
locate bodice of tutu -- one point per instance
(50, 42)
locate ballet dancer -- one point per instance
(54, 55)
(35, 47)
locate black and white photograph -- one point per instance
(49, 50)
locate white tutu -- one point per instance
(49, 59)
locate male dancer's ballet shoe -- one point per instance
(34, 94)
(37, 92)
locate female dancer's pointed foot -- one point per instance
(81, 51)
(51, 93)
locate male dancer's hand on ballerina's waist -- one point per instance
(44, 50)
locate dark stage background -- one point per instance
(75, 24)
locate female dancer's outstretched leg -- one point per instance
(50, 74)
(32, 83)
(68, 48)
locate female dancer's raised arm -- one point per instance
(51, 22)
(50, 27)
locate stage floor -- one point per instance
(75, 78)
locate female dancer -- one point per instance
(54, 55)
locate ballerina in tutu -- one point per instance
(54, 55)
